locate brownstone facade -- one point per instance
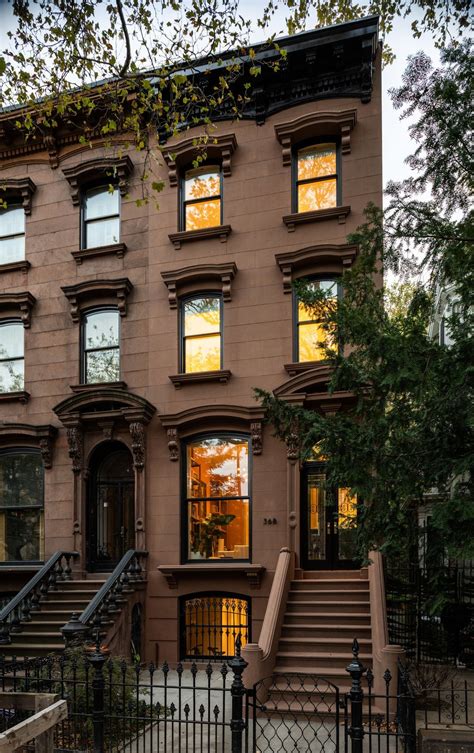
(153, 408)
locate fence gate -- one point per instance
(297, 713)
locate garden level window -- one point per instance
(12, 361)
(217, 498)
(312, 338)
(21, 506)
(100, 217)
(316, 178)
(101, 346)
(211, 624)
(12, 235)
(201, 327)
(201, 198)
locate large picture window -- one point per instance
(12, 362)
(211, 624)
(100, 217)
(312, 338)
(12, 234)
(201, 198)
(101, 346)
(218, 498)
(21, 506)
(316, 177)
(201, 326)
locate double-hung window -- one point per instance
(201, 198)
(201, 339)
(21, 506)
(316, 177)
(100, 217)
(12, 234)
(12, 356)
(101, 346)
(312, 338)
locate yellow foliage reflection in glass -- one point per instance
(313, 338)
(202, 198)
(202, 334)
(317, 177)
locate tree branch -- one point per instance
(128, 56)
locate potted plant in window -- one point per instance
(210, 531)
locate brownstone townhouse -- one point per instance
(139, 484)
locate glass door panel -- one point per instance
(346, 524)
(316, 517)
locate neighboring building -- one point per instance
(132, 338)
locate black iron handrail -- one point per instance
(19, 608)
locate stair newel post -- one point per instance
(356, 695)
(237, 724)
(15, 622)
(97, 659)
(5, 633)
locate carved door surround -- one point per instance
(89, 418)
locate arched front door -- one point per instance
(110, 506)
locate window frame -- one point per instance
(5, 322)
(185, 499)
(296, 324)
(25, 451)
(203, 595)
(181, 328)
(183, 203)
(15, 204)
(83, 351)
(294, 170)
(83, 224)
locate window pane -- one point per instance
(316, 312)
(198, 185)
(204, 214)
(12, 221)
(21, 535)
(103, 366)
(347, 524)
(316, 520)
(212, 624)
(100, 202)
(218, 529)
(316, 161)
(11, 340)
(202, 316)
(311, 342)
(101, 329)
(21, 479)
(102, 232)
(319, 195)
(218, 467)
(12, 249)
(12, 375)
(202, 353)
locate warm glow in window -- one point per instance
(316, 181)
(217, 483)
(212, 624)
(313, 337)
(202, 334)
(202, 198)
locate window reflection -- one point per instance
(101, 220)
(202, 198)
(314, 338)
(12, 369)
(12, 235)
(21, 507)
(101, 348)
(316, 181)
(202, 334)
(217, 484)
(347, 524)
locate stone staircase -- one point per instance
(41, 635)
(325, 611)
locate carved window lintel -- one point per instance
(20, 303)
(112, 169)
(309, 260)
(28, 435)
(12, 189)
(109, 291)
(222, 274)
(220, 147)
(313, 125)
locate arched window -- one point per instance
(211, 623)
(316, 177)
(101, 346)
(201, 198)
(311, 338)
(201, 339)
(21, 506)
(12, 360)
(100, 217)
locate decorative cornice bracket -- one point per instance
(24, 188)
(20, 302)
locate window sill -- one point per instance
(222, 375)
(15, 397)
(88, 253)
(298, 368)
(93, 386)
(220, 231)
(21, 567)
(15, 266)
(172, 573)
(300, 218)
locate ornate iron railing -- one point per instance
(211, 624)
(18, 610)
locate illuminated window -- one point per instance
(12, 361)
(12, 234)
(21, 506)
(100, 346)
(202, 198)
(311, 336)
(100, 217)
(211, 623)
(316, 178)
(217, 498)
(201, 326)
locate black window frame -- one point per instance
(294, 170)
(84, 351)
(182, 203)
(203, 595)
(83, 224)
(296, 324)
(15, 204)
(24, 451)
(185, 499)
(3, 323)
(181, 328)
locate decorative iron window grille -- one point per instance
(210, 625)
